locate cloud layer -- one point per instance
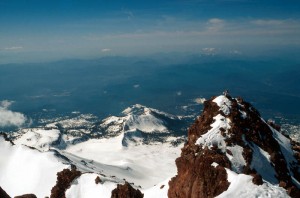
(9, 118)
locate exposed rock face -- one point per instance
(3, 194)
(98, 180)
(26, 196)
(64, 180)
(231, 134)
(126, 191)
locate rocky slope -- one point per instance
(229, 149)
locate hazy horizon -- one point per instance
(41, 31)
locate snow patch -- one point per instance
(146, 123)
(285, 147)
(214, 164)
(237, 160)
(214, 137)
(243, 114)
(224, 103)
(262, 164)
(40, 139)
(86, 187)
(159, 190)
(241, 186)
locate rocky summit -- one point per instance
(232, 152)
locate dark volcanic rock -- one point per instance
(257, 179)
(26, 196)
(64, 180)
(126, 191)
(3, 194)
(198, 178)
(98, 180)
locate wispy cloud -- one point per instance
(13, 48)
(128, 13)
(211, 36)
(264, 22)
(165, 33)
(9, 118)
(105, 50)
(235, 52)
(215, 24)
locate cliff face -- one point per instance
(231, 135)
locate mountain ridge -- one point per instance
(231, 137)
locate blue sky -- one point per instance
(45, 30)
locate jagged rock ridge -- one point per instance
(230, 136)
(126, 190)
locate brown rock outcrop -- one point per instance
(126, 191)
(201, 170)
(98, 180)
(64, 180)
(196, 176)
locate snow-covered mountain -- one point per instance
(139, 146)
(137, 124)
(141, 124)
(230, 152)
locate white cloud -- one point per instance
(215, 21)
(215, 24)
(5, 104)
(136, 86)
(105, 50)
(200, 100)
(178, 93)
(209, 51)
(9, 118)
(13, 48)
(263, 22)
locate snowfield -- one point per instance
(86, 187)
(145, 165)
(24, 170)
(38, 138)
